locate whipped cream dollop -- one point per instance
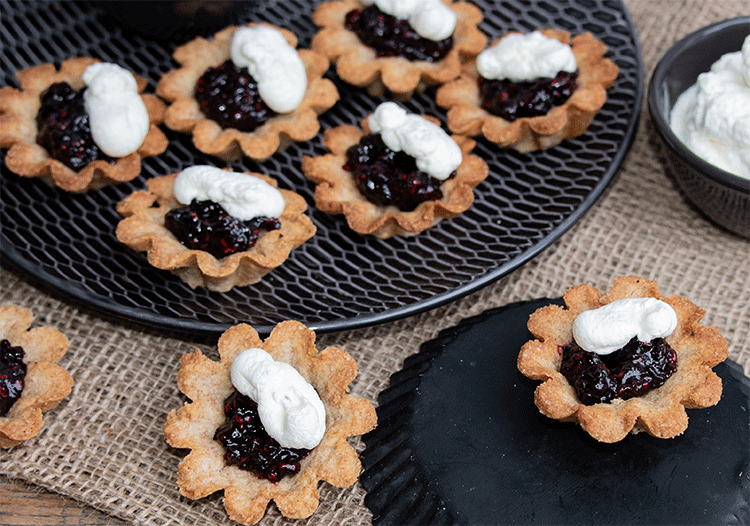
(242, 195)
(523, 57)
(273, 63)
(712, 117)
(117, 115)
(611, 327)
(436, 153)
(289, 407)
(431, 19)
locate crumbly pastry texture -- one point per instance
(660, 412)
(18, 131)
(207, 383)
(46, 382)
(336, 191)
(143, 230)
(465, 115)
(184, 114)
(396, 77)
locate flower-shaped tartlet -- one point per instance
(397, 76)
(20, 132)
(467, 116)
(207, 384)
(277, 130)
(337, 192)
(143, 229)
(660, 411)
(44, 383)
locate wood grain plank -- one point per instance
(23, 504)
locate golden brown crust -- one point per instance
(596, 74)
(358, 64)
(143, 230)
(18, 131)
(661, 411)
(46, 382)
(184, 114)
(207, 383)
(337, 193)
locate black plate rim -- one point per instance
(8, 253)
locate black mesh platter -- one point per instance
(338, 279)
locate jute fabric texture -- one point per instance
(104, 444)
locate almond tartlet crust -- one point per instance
(397, 77)
(18, 131)
(465, 115)
(46, 382)
(336, 191)
(143, 230)
(207, 384)
(184, 114)
(661, 411)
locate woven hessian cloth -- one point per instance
(104, 444)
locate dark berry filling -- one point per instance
(64, 128)
(12, 375)
(248, 446)
(205, 225)
(394, 37)
(586, 372)
(628, 372)
(387, 178)
(513, 100)
(229, 95)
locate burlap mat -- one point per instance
(104, 444)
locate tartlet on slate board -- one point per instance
(459, 441)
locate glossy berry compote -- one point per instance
(248, 446)
(229, 95)
(64, 128)
(205, 225)
(513, 100)
(585, 371)
(12, 375)
(394, 37)
(631, 371)
(387, 178)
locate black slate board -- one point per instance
(460, 441)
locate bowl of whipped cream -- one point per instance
(699, 101)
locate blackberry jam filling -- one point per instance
(229, 95)
(394, 37)
(64, 128)
(513, 100)
(387, 178)
(12, 375)
(628, 372)
(205, 225)
(250, 447)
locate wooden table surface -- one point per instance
(23, 504)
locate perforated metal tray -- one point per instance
(338, 279)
